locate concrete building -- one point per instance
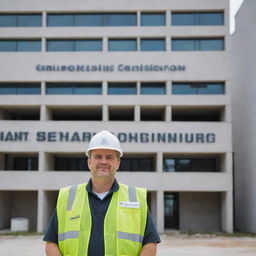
(244, 123)
(155, 73)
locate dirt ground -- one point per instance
(171, 245)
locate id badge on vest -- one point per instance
(129, 204)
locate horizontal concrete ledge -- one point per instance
(115, 100)
(50, 180)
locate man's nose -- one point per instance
(103, 160)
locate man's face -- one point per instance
(103, 163)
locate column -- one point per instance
(44, 19)
(160, 211)
(168, 88)
(104, 88)
(105, 113)
(137, 113)
(159, 162)
(168, 113)
(105, 44)
(45, 113)
(41, 161)
(227, 211)
(226, 117)
(167, 43)
(41, 211)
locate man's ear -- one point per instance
(89, 162)
(119, 163)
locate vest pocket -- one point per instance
(129, 220)
(73, 221)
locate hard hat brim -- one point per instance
(102, 147)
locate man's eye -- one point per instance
(97, 157)
(110, 157)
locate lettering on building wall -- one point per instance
(14, 136)
(110, 68)
(124, 137)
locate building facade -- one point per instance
(155, 73)
(243, 93)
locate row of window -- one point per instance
(118, 113)
(122, 45)
(128, 164)
(114, 88)
(114, 19)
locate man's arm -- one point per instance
(148, 250)
(52, 249)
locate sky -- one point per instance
(234, 6)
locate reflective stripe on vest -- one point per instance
(71, 197)
(129, 236)
(71, 216)
(132, 194)
(68, 235)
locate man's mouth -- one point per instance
(103, 167)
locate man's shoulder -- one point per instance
(131, 186)
(73, 187)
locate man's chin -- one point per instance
(103, 174)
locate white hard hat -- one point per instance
(104, 140)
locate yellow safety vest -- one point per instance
(124, 223)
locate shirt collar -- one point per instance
(114, 187)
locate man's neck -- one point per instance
(101, 186)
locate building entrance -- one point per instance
(171, 211)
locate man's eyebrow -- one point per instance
(105, 155)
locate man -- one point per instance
(103, 217)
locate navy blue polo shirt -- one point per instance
(98, 211)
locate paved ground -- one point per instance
(173, 245)
(207, 245)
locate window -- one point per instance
(152, 88)
(197, 18)
(60, 20)
(152, 45)
(71, 164)
(152, 19)
(198, 44)
(20, 88)
(92, 19)
(20, 45)
(120, 113)
(73, 88)
(198, 113)
(198, 88)
(122, 45)
(189, 165)
(88, 113)
(21, 113)
(122, 88)
(20, 20)
(89, 19)
(148, 113)
(132, 164)
(120, 19)
(25, 163)
(74, 45)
